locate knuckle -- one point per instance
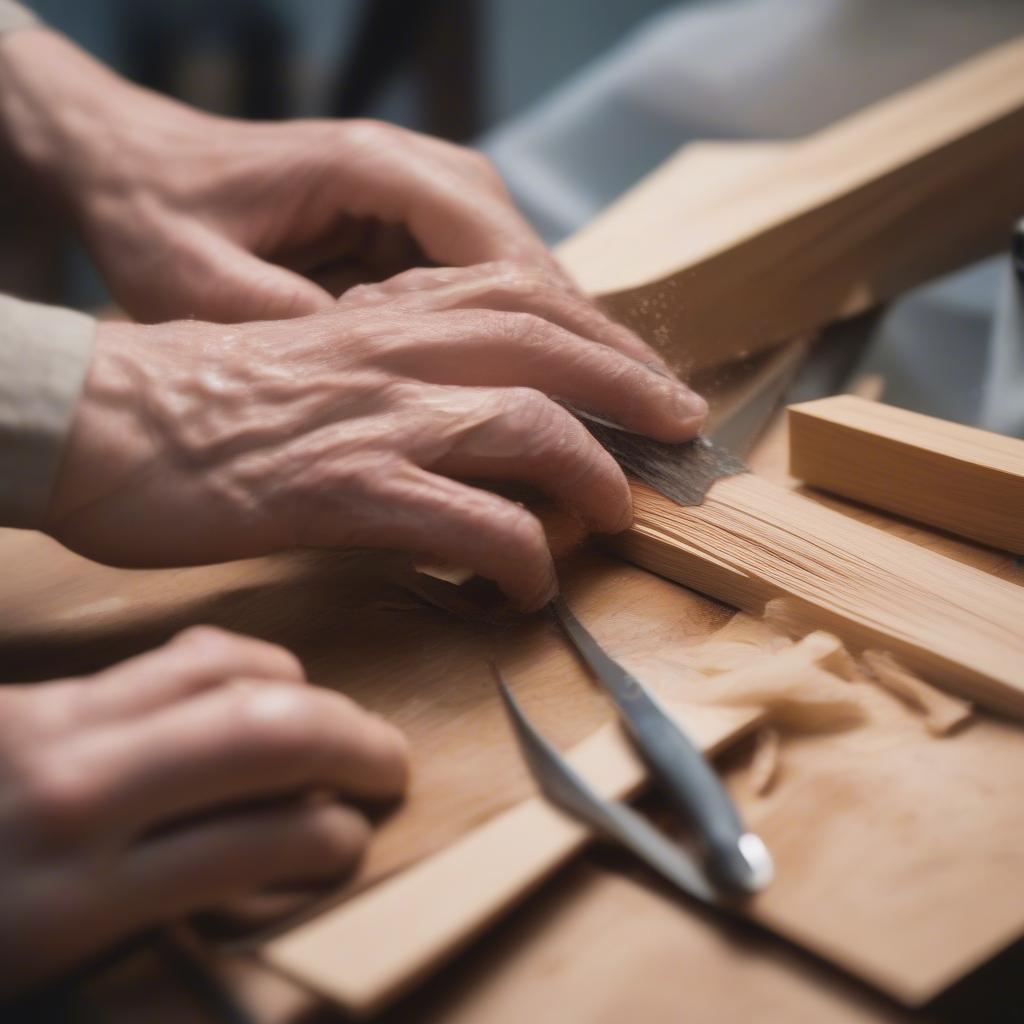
(529, 405)
(370, 133)
(278, 661)
(211, 644)
(519, 277)
(359, 294)
(207, 641)
(547, 430)
(524, 286)
(31, 715)
(59, 795)
(418, 278)
(274, 717)
(482, 166)
(366, 478)
(524, 329)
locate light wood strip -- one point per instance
(369, 949)
(958, 478)
(751, 542)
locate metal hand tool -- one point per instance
(735, 857)
(615, 820)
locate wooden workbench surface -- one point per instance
(603, 941)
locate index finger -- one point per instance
(194, 660)
(244, 743)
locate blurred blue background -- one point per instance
(454, 68)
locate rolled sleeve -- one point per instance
(44, 355)
(15, 16)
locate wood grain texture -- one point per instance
(356, 630)
(954, 477)
(751, 542)
(827, 227)
(365, 952)
(853, 823)
(941, 711)
(900, 854)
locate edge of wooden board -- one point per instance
(369, 950)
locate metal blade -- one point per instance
(737, 857)
(568, 790)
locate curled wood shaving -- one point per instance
(941, 712)
(843, 664)
(791, 685)
(742, 638)
(766, 760)
(795, 619)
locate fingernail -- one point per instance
(548, 593)
(661, 369)
(626, 521)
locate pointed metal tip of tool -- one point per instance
(511, 705)
(760, 866)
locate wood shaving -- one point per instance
(940, 712)
(790, 685)
(765, 762)
(741, 639)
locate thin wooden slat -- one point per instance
(902, 191)
(958, 478)
(751, 542)
(366, 951)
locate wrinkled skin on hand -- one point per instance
(191, 215)
(199, 773)
(359, 426)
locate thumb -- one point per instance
(239, 286)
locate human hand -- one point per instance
(191, 215)
(195, 442)
(174, 782)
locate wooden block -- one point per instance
(961, 479)
(367, 950)
(751, 542)
(826, 227)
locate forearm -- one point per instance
(44, 354)
(12, 17)
(72, 126)
(54, 108)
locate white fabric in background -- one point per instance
(779, 69)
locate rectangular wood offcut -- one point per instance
(958, 478)
(821, 228)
